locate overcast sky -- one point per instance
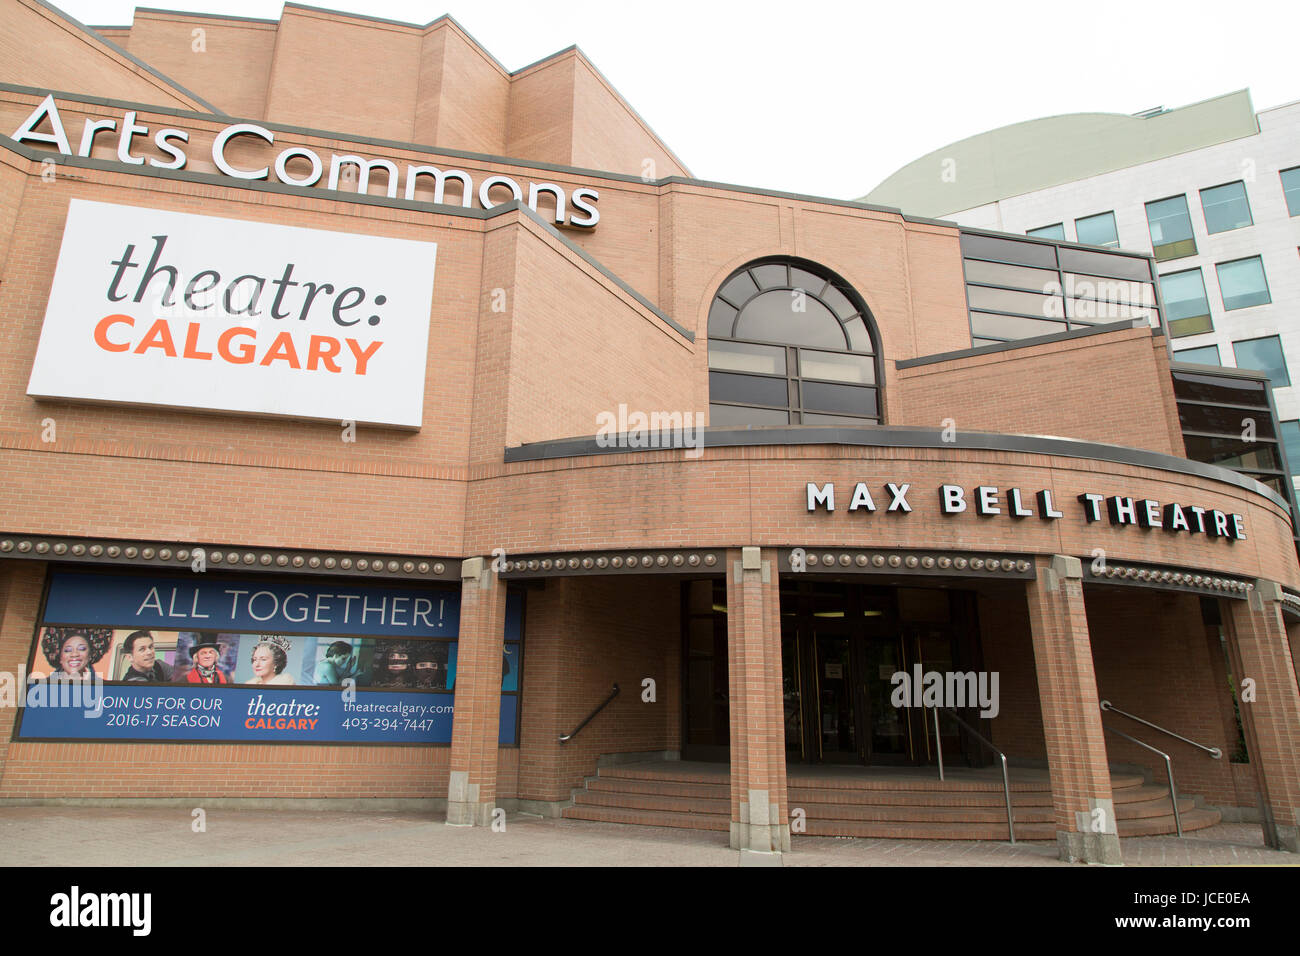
(830, 98)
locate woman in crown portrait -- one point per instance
(270, 657)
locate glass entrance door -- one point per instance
(836, 690)
(842, 646)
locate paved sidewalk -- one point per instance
(87, 836)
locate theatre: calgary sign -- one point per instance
(154, 307)
(989, 501)
(299, 165)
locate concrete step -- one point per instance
(651, 801)
(875, 803)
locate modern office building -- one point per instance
(1212, 190)
(386, 433)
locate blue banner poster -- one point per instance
(135, 657)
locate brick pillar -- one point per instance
(1258, 642)
(21, 585)
(472, 785)
(760, 828)
(1067, 690)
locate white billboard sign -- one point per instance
(165, 308)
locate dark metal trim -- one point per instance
(695, 561)
(889, 436)
(136, 553)
(1022, 343)
(932, 563)
(1166, 578)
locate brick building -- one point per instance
(386, 384)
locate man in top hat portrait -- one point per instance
(206, 653)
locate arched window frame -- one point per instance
(746, 373)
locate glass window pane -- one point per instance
(1098, 230)
(721, 318)
(725, 416)
(838, 301)
(774, 317)
(803, 279)
(1113, 264)
(1184, 295)
(1265, 355)
(837, 367)
(749, 389)
(989, 326)
(1101, 311)
(1054, 231)
(738, 289)
(1004, 300)
(1194, 325)
(839, 398)
(1224, 421)
(1225, 207)
(816, 418)
(1206, 355)
(1109, 290)
(1021, 277)
(1291, 189)
(743, 357)
(771, 276)
(1242, 283)
(1008, 250)
(1233, 452)
(859, 340)
(1291, 438)
(1211, 387)
(1171, 228)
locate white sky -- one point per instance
(830, 98)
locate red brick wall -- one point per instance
(40, 48)
(1107, 388)
(1153, 660)
(232, 68)
(582, 636)
(1007, 649)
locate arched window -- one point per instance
(791, 343)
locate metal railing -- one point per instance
(1214, 752)
(1006, 779)
(590, 717)
(1169, 770)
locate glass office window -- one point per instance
(1226, 207)
(1291, 439)
(1186, 308)
(1265, 355)
(1291, 189)
(1171, 228)
(1207, 355)
(1098, 230)
(1056, 231)
(1243, 283)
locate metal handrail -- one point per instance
(1006, 778)
(1169, 770)
(1214, 752)
(590, 717)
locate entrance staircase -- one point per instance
(892, 803)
